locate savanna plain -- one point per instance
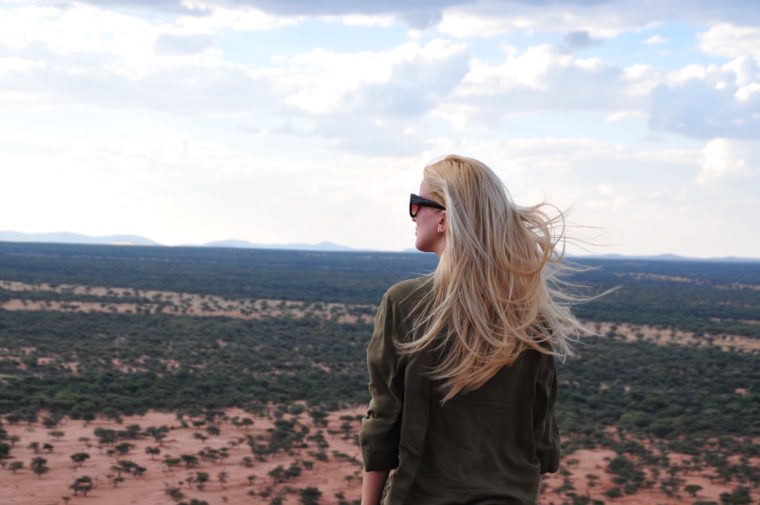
(156, 375)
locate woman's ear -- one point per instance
(441, 222)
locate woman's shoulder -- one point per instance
(409, 289)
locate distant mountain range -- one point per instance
(77, 238)
(66, 237)
(244, 244)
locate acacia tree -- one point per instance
(200, 480)
(82, 484)
(189, 460)
(171, 462)
(124, 448)
(79, 458)
(310, 496)
(175, 494)
(39, 466)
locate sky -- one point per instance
(283, 121)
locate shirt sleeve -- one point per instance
(544, 422)
(380, 429)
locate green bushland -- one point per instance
(130, 363)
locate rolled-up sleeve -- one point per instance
(544, 421)
(380, 430)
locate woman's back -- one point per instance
(485, 446)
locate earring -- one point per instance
(440, 228)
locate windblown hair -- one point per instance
(496, 290)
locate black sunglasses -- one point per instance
(416, 201)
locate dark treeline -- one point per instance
(349, 277)
(706, 297)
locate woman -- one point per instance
(461, 362)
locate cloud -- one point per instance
(730, 40)
(403, 80)
(600, 19)
(465, 18)
(728, 99)
(655, 40)
(578, 39)
(167, 43)
(727, 159)
(376, 103)
(544, 78)
(15, 64)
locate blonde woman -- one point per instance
(462, 361)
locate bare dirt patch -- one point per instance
(670, 336)
(178, 303)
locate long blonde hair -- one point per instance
(496, 288)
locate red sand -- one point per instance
(332, 476)
(336, 475)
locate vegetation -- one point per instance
(629, 394)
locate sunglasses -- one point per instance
(416, 201)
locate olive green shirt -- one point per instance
(484, 447)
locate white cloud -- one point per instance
(728, 100)
(322, 82)
(624, 114)
(730, 40)
(376, 21)
(599, 20)
(725, 159)
(655, 40)
(15, 64)
(460, 23)
(240, 20)
(543, 77)
(526, 70)
(607, 197)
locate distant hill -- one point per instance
(321, 246)
(77, 238)
(65, 237)
(667, 257)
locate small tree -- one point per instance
(175, 493)
(692, 489)
(124, 448)
(276, 474)
(79, 458)
(171, 462)
(15, 466)
(39, 466)
(189, 460)
(82, 484)
(153, 451)
(200, 480)
(310, 496)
